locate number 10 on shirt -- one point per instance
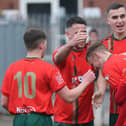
(18, 76)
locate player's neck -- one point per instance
(119, 36)
(35, 53)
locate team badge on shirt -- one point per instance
(59, 78)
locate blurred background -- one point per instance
(50, 15)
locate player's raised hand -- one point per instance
(78, 36)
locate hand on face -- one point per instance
(77, 36)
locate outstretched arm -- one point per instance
(62, 53)
(69, 95)
(73, 41)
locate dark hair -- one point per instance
(93, 47)
(114, 6)
(93, 30)
(75, 20)
(33, 37)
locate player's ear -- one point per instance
(40, 46)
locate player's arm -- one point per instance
(70, 95)
(64, 51)
(5, 89)
(101, 83)
(98, 96)
(4, 101)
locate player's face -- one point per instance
(117, 20)
(95, 61)
(74, 30)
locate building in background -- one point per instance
(9, 9)
(56, 7)
(102, 5)
(53, 7)
(9, 4)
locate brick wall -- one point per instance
(8, 4)
(103, 4)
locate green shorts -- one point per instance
(113, 119)
(32, 119)
(66, 124)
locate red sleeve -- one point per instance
(56, 81)
(120, 96)
(120, 99)
(60, 64)
(6, 84)
(54, 53)
(122, 116)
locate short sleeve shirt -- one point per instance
(29, 84)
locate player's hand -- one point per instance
(97, 99)
(78, 37)
(88, 77)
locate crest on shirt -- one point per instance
(59, 78)
(107, 77)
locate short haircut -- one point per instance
(75, 20)
(93, 30)
(95, 47)
(33, 37)
(114, 6)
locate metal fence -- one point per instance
(11, 44)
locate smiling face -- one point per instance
(117, 20)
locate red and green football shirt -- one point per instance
(29, 84)
(116, 47)
(114, 71)
(120, 98)
(72, 69)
